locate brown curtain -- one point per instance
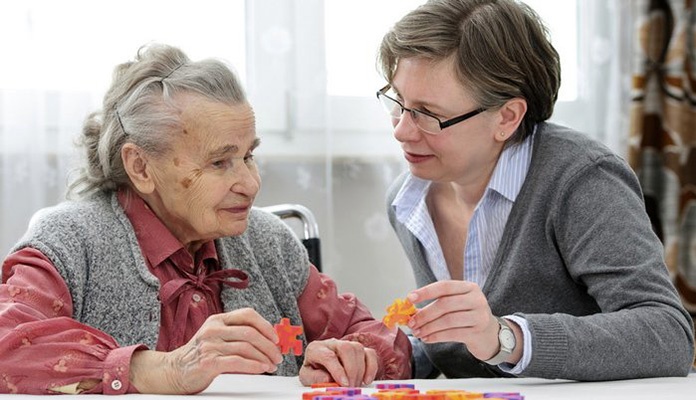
(662, 144)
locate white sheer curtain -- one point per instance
(36, 130)
(309, 71)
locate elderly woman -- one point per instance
(162, 276)
(529, 241)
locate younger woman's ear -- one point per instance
(511, 115)
(136, 166)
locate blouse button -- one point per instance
(197, 297)
(116, 384)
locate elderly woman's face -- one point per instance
(205, 187)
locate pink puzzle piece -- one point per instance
(287, 337)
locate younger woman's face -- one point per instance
(460, 153)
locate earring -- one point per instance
(502, 134)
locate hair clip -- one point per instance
(171, 72)
(118, 118)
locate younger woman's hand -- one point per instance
(459, 312)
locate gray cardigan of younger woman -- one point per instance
(578, 259)
(93, 245)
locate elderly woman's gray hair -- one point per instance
(140, 108)
(500, 50)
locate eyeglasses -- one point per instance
(423, 120)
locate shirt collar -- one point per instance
(156, 241)
(511, 168)
(517, 156)
(410, 196)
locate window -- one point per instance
(74, 44)
(351, 53)
(308, 65)
(353, 33)
(61, 55)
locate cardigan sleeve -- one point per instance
(43, 349)
(327, 314)
(608, 247)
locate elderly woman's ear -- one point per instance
(136, 165)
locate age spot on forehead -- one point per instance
(186, 183)
(176, 162)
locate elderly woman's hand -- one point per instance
(348, 363)
(239, 341)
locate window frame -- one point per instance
(295, 112)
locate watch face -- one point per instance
(507, 339)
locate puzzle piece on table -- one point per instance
(395, 386)
(344, 391)
(313, 394)
(397, 394)
(325, 385)
(287, 337)
(401, 391)
(399, 312)
(456, 394)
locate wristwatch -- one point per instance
(506, 338)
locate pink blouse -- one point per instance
(43, 350)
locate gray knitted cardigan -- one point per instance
(578, 259)
(93, 245)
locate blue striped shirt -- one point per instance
(485, 228)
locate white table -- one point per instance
(231, 387)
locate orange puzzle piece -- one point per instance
(399, 312)
(287, 337)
